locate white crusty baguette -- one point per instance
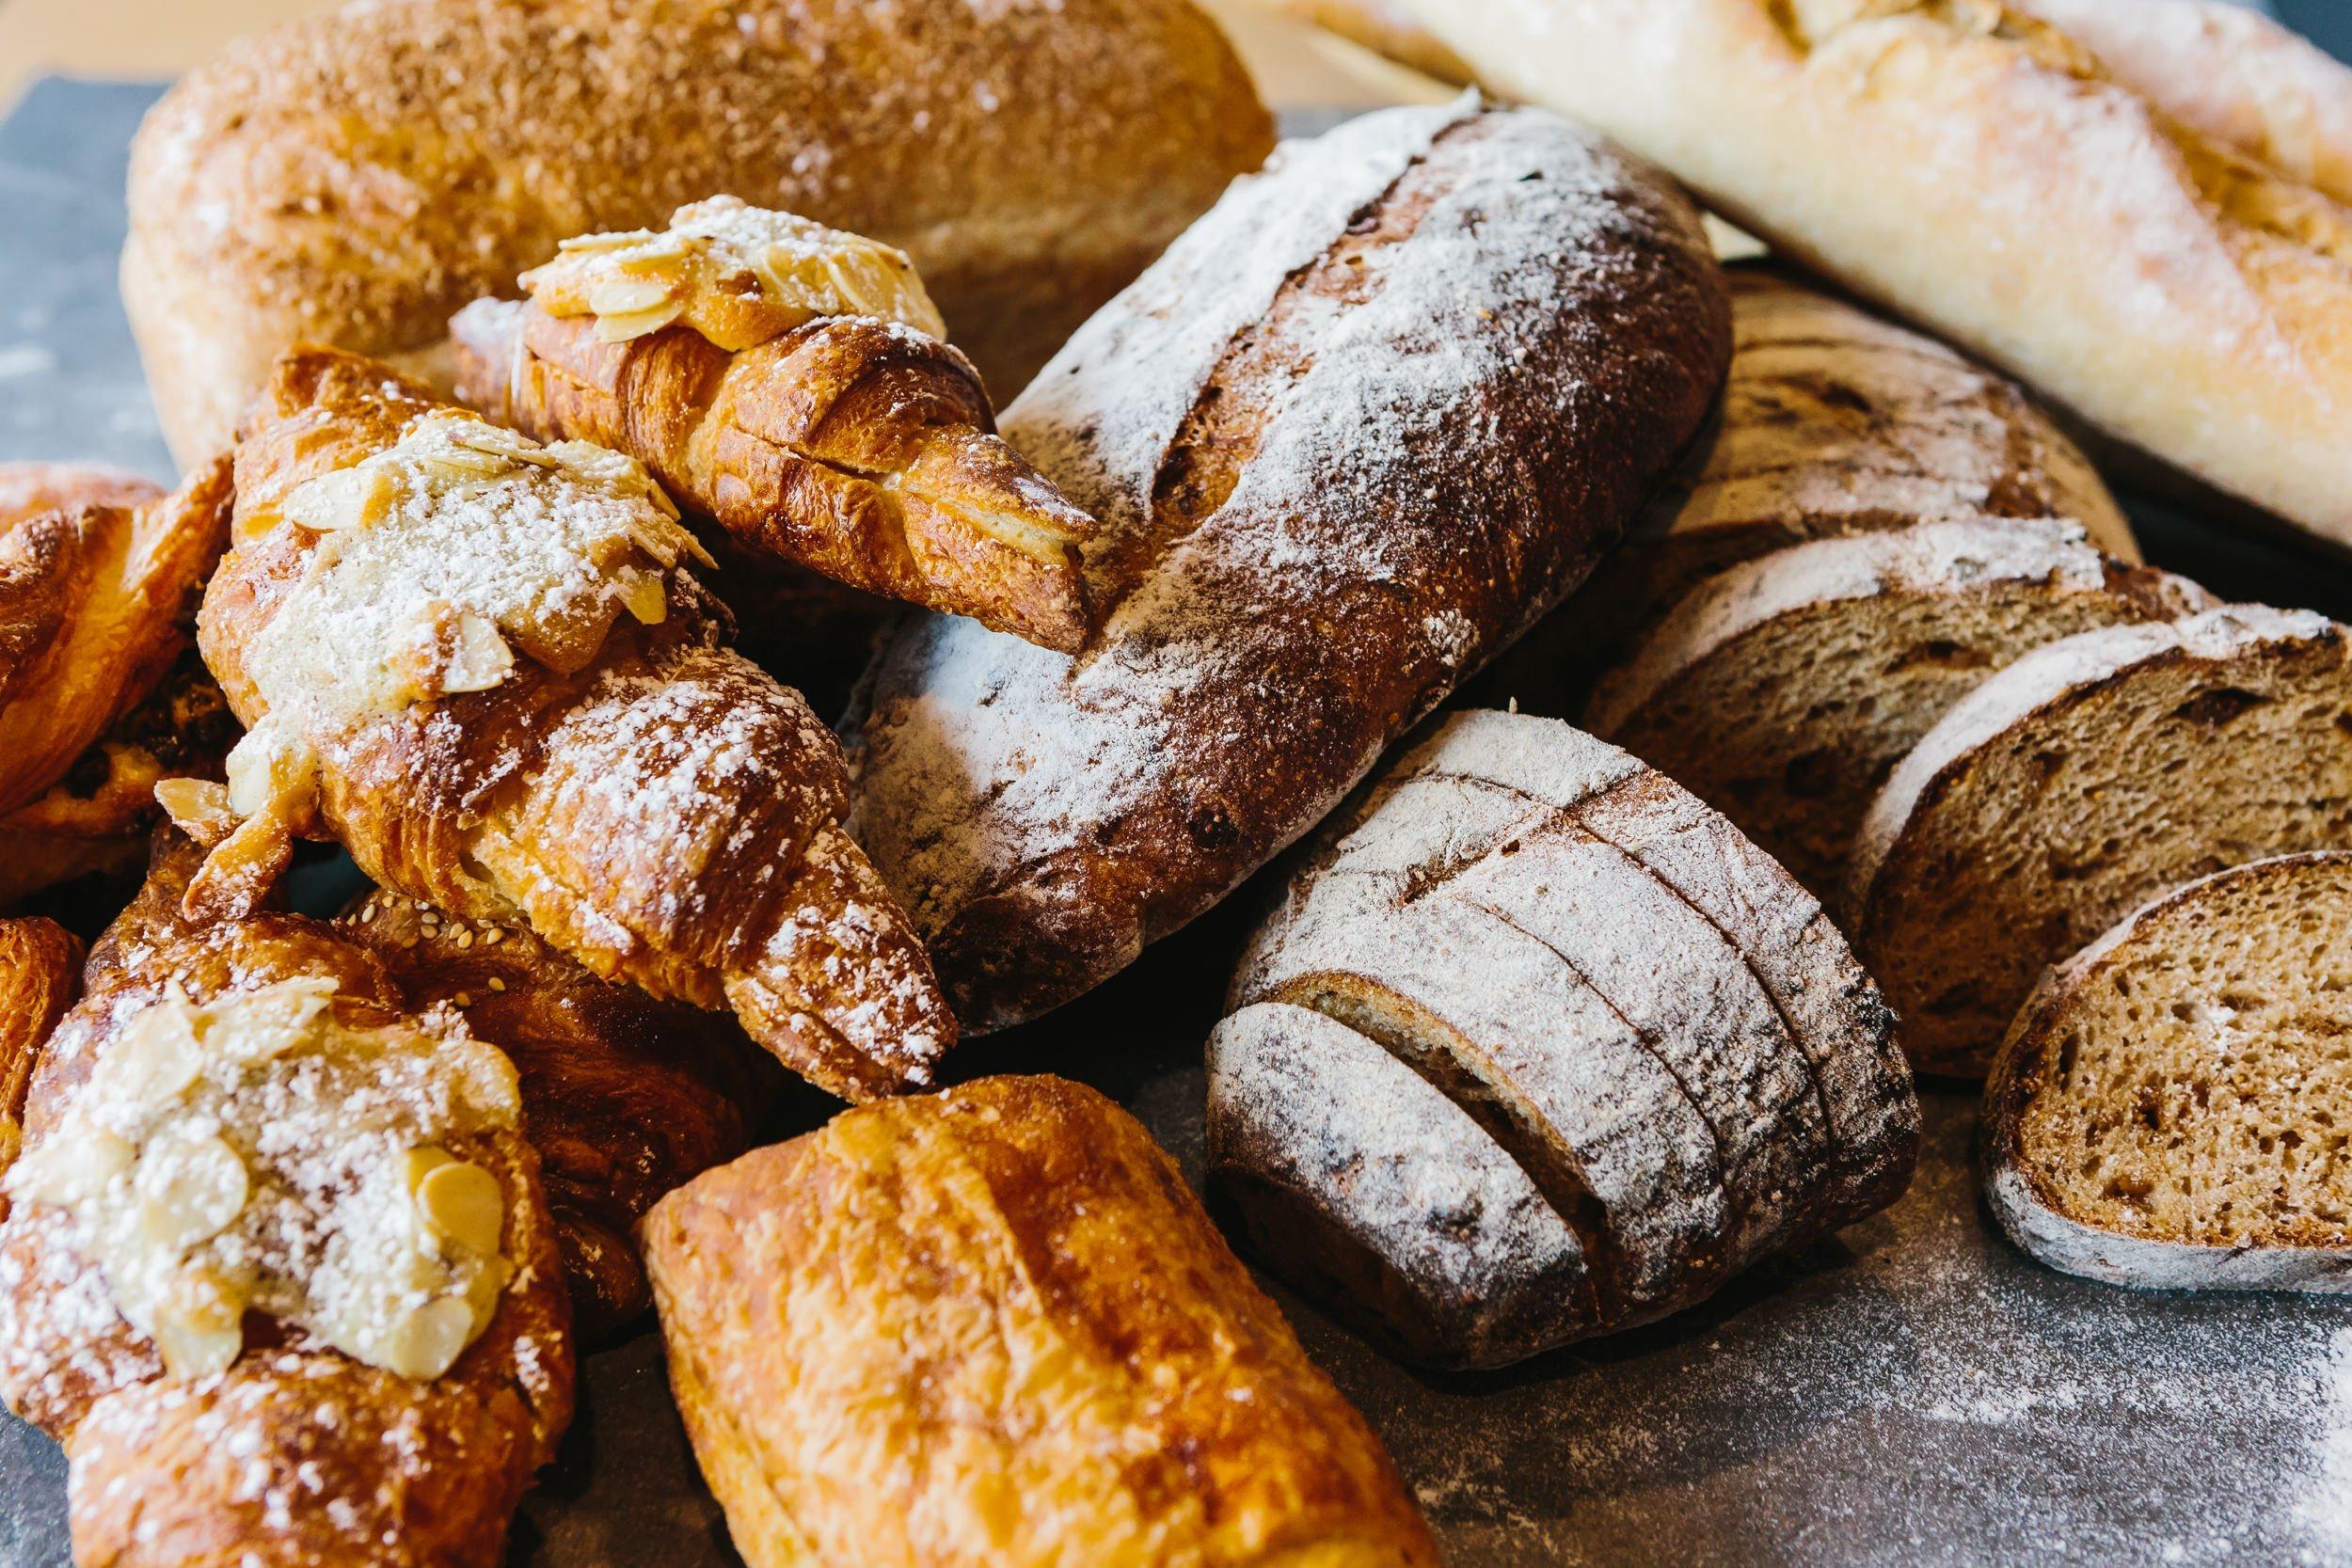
(1783, 691)
(1981, 172)
(353, 178)
(1364, 422)
(2167, 1108)
(1538, 1046)
(2087, 777)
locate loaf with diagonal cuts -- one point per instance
(1359, 427)
(2083, 780)
(1538, 1046)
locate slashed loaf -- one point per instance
(993, 1328)
(1538, 1046)
(1367, 419)
(2173, 1106)
(1982, 173)
(1834, 421)
(1782, 692)
(2089, 776)
(353, 178)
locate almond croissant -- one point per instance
(278, 1269)
(101, 692)
(790, 381)
(477, 663)
(625, 1096)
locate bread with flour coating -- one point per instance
(1362, 424)
(353, 178)
(1981, 172)
(1538, 1046)
(993, 1328)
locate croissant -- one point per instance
(476, 663)
(790, 381)
(625, 1096)
(278, 1269)
(101, 692)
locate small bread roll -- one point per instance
(992, 1327)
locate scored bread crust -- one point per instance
(2180, 297)
(1360, 426)
(993, 1325)
(1595, 976)
(353, 178)
(2028, 1205)
(1903, 873)
(1741, 695)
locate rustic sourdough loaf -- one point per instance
(1834, 421)
(2087, 777)
(1537, 1047)
(1362, 423)
(2173, 1106)
(1982, 173)
(1783, 691)
(353, 178)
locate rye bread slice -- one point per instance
(2087, 777)
(1783, 691)
(1687, 1082)
(2173, 1107)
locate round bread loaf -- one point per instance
(1363, 423)
(2170, 1109)
(352, 179)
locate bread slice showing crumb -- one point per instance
(1783, 691)
(2173, 1107)
(2084, 779)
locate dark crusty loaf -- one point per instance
(1364, 421)
(351, 179)
(2089, 776)
(2172, 1107)
(1834, 421)
(1783, 691)
(1538, 1046)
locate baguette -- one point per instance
(2086, 778)
(1537, 1047)
(1784, 692)
(1361, 425)
(2165, 1112)
(1981, 172)
(353, 178)
(991, 1328)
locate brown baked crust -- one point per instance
(358, 1466)
(994, 1326)
(99, 693)
(356, 177)
(624, 1096)
(40, 976)
(1316, 523)
(476, 803)
(859, 448)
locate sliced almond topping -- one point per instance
(644, 595)
(198, 807)
(636, 324)
(190, 1188)
(428, 1339)
(463, 1202)
(480, 659)
(346, 499)
(627, 295)
(156, 1060)
(199, 1324)
(73, 1166)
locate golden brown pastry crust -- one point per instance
(624, 1096)
(993, 1326)
(859, 448)
(355, 177)
(40, 975)
(100, 692)
(358, 1466)
(719, 880)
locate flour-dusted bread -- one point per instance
(2089, 776)
(353, 178)
(1367, 419)
(1982, 173)
(1538, 1046)
(1834, 421)
(993, 1328)
(2172, 1107)
(1783, 691)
